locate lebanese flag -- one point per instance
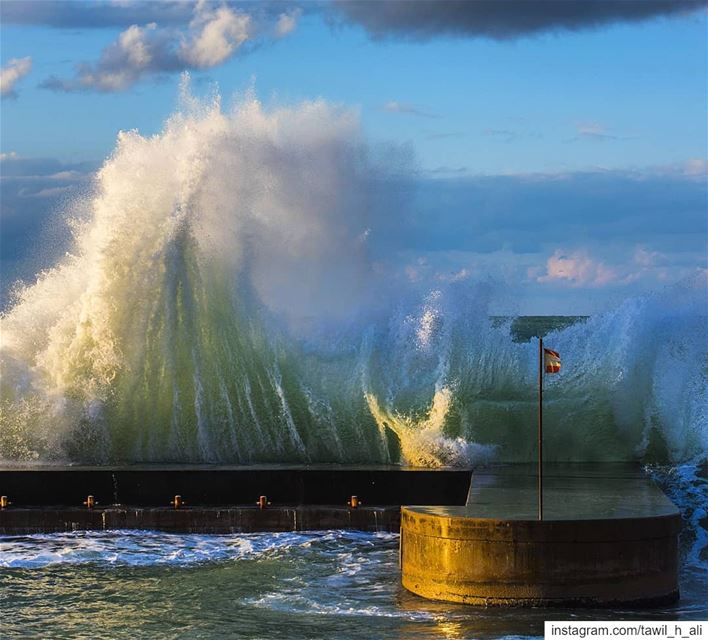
(551, 360)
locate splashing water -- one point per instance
(422, 441)
(221, 303)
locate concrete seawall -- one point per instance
(220, 499)
(244, 519)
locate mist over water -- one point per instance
(224, 301)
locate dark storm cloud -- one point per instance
(414, 19)
(93, 14)
(499, 19)
(73, 14)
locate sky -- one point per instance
(559, 148)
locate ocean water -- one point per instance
(229, 296)
(328, 584)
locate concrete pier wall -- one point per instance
(502, 562)
(244, 519)
(221, 499)
(608, 536)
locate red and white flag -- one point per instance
(551, 361)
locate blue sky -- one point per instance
(565, 158)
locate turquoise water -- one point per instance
(331, 584)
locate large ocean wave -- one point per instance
(220, 303)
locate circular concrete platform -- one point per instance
(575, 556)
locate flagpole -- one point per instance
(540, 428)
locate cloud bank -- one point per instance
(586, 234)
(12, 73)
(498, 20)
(34, 193)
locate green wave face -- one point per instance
(220, 305)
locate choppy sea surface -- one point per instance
(328, 584)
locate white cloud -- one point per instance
(135, 43)
(696, 167)
(213, 36)
(598, 131)
(577, 269)
(393, 106)
(216, 35)
(287, 22)
(124, 61)
(49, 192)
(593, 130)
(646, 258)
(691, 169)
(12, 73)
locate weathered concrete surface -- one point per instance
(242, 519)
(608, 536)
(155, 485)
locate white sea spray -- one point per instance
(222, 302)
